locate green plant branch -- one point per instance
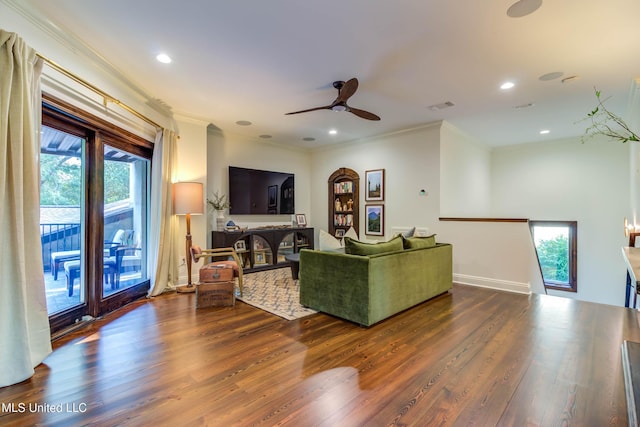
(608, 124)
(218, 202)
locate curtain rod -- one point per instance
(106, 97)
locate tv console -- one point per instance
(264, 248)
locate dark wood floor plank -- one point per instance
(469, 357)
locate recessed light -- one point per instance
(333, 132)
(544, 131)
(523, 8)
(164, 58)
(308, 138)
(243, 123)
(265, 136)
(507, 85)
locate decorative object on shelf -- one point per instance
(187, 200)
(219, 203)
(240, 246)
(301, 220)
(608, 124)
(340, 233)
(231, 226)
(374, 215)
(375, 185)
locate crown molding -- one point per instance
(66, 38)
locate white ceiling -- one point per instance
(256, 60)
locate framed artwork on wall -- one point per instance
(374, 191)
(374, 220)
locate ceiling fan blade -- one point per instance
(363, 114)
(326, 107)
(347, 90)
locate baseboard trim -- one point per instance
(486, 282)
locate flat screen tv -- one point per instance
(260, 192)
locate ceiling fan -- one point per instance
(345, 91)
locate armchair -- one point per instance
(197, 252)
(126, 257)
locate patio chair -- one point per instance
(126, 258)
(120, 237)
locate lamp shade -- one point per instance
(187, 198)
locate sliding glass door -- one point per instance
(93, 214)
(61, 212)
(125, 220)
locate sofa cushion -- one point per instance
(419, 242)
(327, 242)
(355, 247)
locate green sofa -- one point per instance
(368, 289)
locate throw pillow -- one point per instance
(419, 242)
(354, 247)
(351, 232)
(409, 233)
(327, 242)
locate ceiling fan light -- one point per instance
(339, 108)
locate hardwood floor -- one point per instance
(470, 357)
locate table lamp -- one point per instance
(188, 200)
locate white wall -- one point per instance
(192, 166)
(496, 255)
(572, 181)
(465, 171)
(225, 149)
(411, 161)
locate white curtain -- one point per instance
(25, 339)
(163, 261)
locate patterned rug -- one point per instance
(274, 291)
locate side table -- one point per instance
(294, 261)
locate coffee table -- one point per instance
(294, 261)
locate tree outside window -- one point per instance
(555, 243)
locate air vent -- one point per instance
(524, 106)
(441, 106)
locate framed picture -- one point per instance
(374, 191)
(260, 258)
(374, 215)
(301, 220)
(273, 196)
(340, 233)
(240, 246)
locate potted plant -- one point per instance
(219, 203)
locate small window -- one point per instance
(556, 249)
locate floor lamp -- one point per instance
(188, 200)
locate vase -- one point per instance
(220, 220)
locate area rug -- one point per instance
(274, 291)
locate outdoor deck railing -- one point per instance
(56, 238)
